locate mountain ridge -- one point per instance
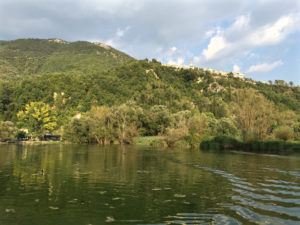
(40, 56)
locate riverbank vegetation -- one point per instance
(164, 106)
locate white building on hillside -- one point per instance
(222, 73)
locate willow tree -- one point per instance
(253, 113)
(100, 124)
(38, 118)
(126, 120)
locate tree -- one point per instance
(38, 118)
(77, 131)
(159, 118)
(284, 133)
(286, 118)
(218, 108)
(200, 127)
(176, 133)
(8, 131)
(126, 121)
(100, 124)
(280, 83)
(253, 112)
(226, 127)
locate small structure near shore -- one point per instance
(51, 137)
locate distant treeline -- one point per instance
(145, 98)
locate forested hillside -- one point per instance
(36, 56)
(116, 98)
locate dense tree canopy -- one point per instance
(131, 97)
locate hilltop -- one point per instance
(39, 56)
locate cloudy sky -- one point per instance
(258, 37)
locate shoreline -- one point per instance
(217, 143)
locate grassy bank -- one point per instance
(158, 141)
(36, 142)
(228, 143)
(154, 141)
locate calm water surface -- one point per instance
(89, 185)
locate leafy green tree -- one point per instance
(8, 131)
(126, 120)
(200, 127)
(77, 131)
(158, 119)
(218, 108)
(100, 124)
(38, 118)
(227, 127)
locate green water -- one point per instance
(86, 185)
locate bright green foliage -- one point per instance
(38, 118)
(8, 131)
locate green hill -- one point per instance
(78, 77)
(39, 56)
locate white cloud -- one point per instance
(173, 49)
(179, 61)
(241, 22)
(243, 36)
(120, 33)
(216, 44)
(196, 59)
(212, 33)
(114, 41)
(273, 33)
(264, 67)
(209, 33)
(236, 68)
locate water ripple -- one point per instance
(257, 218)
(280, 186)
(201, 218)
(292, 212)
(277, 207)
(268, 197)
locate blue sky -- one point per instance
(259, 37)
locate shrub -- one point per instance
(222, 143)
(7, 131)
(284, 133)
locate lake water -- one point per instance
(89, 184)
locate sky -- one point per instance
(260, 38)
